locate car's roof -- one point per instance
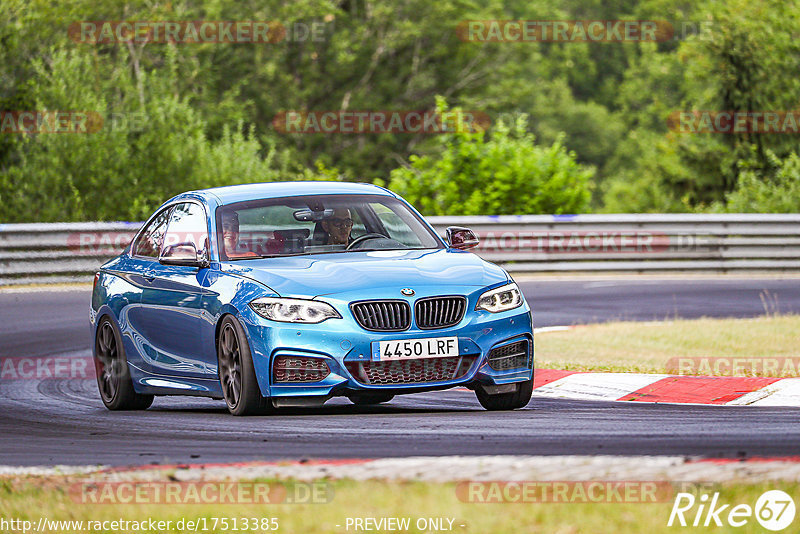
(238, 193)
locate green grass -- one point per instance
(31, 498)
(647, 347)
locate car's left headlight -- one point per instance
(500, 299)
(294, 310)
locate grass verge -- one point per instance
(630, 347)
(31, 498)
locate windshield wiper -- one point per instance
(260, 257)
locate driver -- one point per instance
(338, 227)
(230, 236)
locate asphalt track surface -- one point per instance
(46, 422)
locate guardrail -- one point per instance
(71, 252)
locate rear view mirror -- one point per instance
(181, 254)
(461, 238)
(312, 216)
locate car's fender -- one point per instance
(231, 294)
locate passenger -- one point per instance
(230, 237)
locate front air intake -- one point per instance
(509, 356)
(299, 369)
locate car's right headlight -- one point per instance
(294, 310)
(500, 299)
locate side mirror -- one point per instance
(461, 238)
(182, 254)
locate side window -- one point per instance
(150, 240)
(187, 225)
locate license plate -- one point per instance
(404, 349)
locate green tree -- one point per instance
(151, 146)
(209, 107)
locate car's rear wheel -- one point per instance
(113, 376)
(366, 400)
(236, 373)
(506, 401)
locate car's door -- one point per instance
(173, 324)
(139, 267)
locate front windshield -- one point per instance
(319, 224)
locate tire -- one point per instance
(506, 401)
(113, 376)
(368, 400)
(236, 373)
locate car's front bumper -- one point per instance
(342, 343)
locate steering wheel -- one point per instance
(364, 237)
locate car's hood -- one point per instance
(372, 273)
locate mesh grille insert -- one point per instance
(413, 371)
(299, 369)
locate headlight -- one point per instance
(501, 299)
(294, 310)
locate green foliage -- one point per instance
(502, 172)
(152, 145)
(775, 189)
(180, 117)
(744, 66)
(734, 60)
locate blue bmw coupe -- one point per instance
(287, 294)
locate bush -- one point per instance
(502, 172)
(772, 190)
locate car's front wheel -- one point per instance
(236, 373)
(113, 376)
(519, 398)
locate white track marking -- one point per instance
(785, 392)
(545, 329)
(596, 386)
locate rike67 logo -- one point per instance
(774, 510)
